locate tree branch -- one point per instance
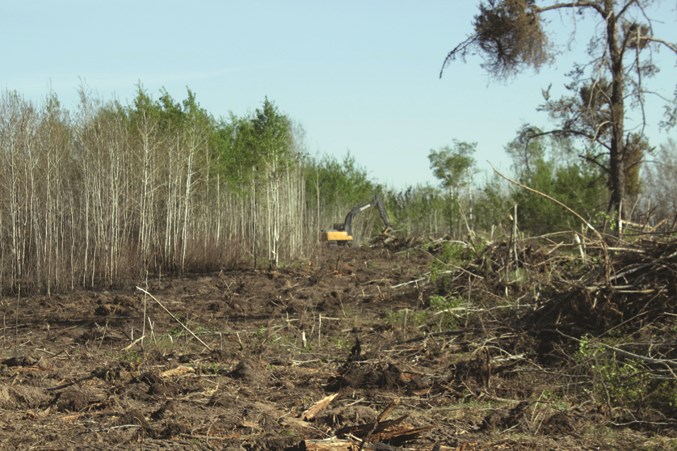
(568, 131)
(625, 7)
(584, 4)
(593, 160)
(667, 44)
(461, 48)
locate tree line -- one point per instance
(467, 202)
(113, 192)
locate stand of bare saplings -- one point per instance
(111, 193)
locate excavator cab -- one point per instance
(342, 233)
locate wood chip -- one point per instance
(318, 407)
(178, 371)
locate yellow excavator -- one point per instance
(342, 233)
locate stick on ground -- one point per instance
(175, 318)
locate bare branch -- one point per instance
(175, 318)
(593, 160)
(669, 45)
(567, 131)
(625, 7)
(461, 49)
(555, 6)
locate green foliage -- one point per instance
(437, 302)
(443, 311)
(449, 253)
(234, 140)
(577, 187)
(442, 303)
(254, 148)
(407, 318)
(419, 210)
(543, 165)
(132, 356)
(273, 138)
(492, 205)
(447, 256)
(624, 382)
(454, 167)
(340, 183)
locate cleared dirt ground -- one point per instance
(114, 370)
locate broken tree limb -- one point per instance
(380, 419)
(175, 318)
(642, 266)
(330, 444)
(420, 279)
(135, 342)
(632, 355)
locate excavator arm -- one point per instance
(375, 202)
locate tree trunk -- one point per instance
(617, 151)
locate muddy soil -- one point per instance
(235, 360)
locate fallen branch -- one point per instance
(175, 318)
(135, 342)
(99, 373)
(667, 362)
(403, 284)
(602, 242)
(652, 263)
(426, 276)
(632, 355)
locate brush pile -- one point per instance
(595, 312)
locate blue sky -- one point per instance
(358, 76)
